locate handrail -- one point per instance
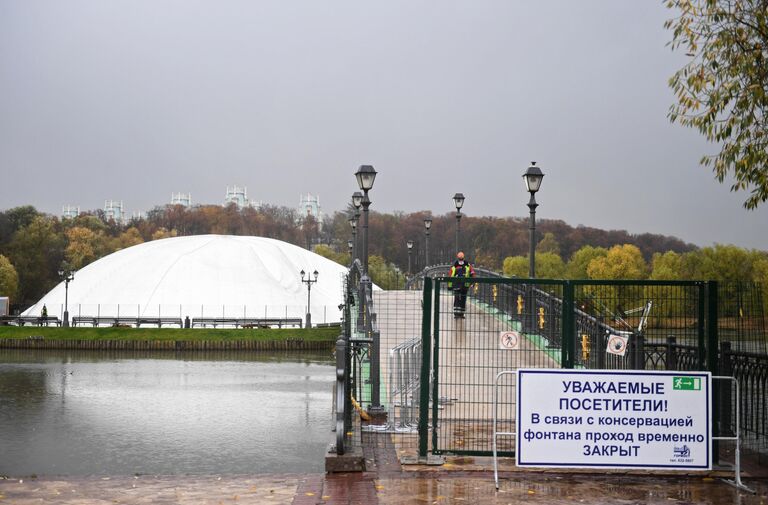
(442, 270)
(737, 438)
(341, 393)
(357, 291)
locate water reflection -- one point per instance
(75, 413)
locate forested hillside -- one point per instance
(34, 246)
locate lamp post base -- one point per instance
(65, 322)
(378, 415)
(309, 321)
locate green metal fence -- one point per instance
(668, 325)
(554, 324)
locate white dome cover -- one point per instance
(203, 276)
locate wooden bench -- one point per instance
(33, 320)
(247, 322)
(159, 321)
(94, 320)
(127, 321)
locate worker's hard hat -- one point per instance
(460, 255)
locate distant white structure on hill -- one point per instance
(114, 210)
(185, 200)
(239, 196)
(70, 211)
(309, 205)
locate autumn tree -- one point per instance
(162, 233)
(548, 244)
(37, 250)
(577, 265)
(723, 89)
(515, 266)
(327, 252)
(385, 275)
(549, 265)
(666, 266)
(727, 263)
(669, 301)
(128, 238)
(9, 279)
(12, 220)
(81, 247)
(621, 262)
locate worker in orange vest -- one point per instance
(460, 269)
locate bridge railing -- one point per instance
(357, 354)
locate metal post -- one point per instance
(354, 234)
(710, 353)
(671, 360)
(726, 401)
(532, 260)
(65, 323)
(458, 201)
(341, 393)
(409, 261)
(426, 249)
(568, 327)
(532, 228)
(366, 204)
(308, 281)
(426, 344)
(458, 229)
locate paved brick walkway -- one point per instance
(461, 480)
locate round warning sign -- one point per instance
(617, 344)
(509, 340)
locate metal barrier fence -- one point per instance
(104, 314)
(357, 355)
(750, 370)
(403, 383)
(555, 324)
(677, 325)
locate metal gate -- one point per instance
(523, 323)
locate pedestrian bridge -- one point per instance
(432, 376)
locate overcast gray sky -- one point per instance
(134, 100)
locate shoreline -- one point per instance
(168, 345)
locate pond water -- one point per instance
(83, 413)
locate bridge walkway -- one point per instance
(469, 357)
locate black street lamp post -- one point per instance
(458, 200)
(365, 176)
(409, 244)
(353, 224)
(533, 177)
(427, 226)
(67, 276)
(350, 247)
(309, 281)
(357, 202)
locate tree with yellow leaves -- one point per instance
(723, 89)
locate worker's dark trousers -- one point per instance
(460, 300)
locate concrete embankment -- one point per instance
(167, 345)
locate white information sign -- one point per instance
(614, 419)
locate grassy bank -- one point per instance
(170, 334)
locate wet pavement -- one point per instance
(461, 480)
(405, 488)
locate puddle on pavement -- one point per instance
(565, 489)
